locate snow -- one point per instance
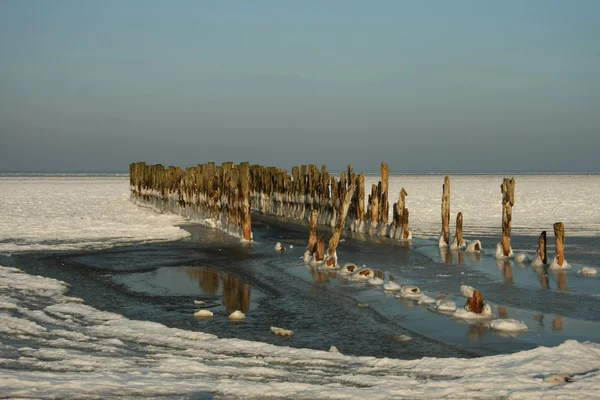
(237, 315)
(409, 292)
(466, 291)
(376, 281)
(473, 245)
(500, 253)
(464, 313)
(522, 257)
(92, 353)
(391, 286)
(281, 331)
(76, 213)
(203, 314)
(556, 266)
(508, 325)
(588, 271)
(445, 305)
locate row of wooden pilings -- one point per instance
(223, 195)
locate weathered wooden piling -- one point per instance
(341, 224)
(312, 238)
(383, 203)
(405, 230)
(542, 248)
(320, 253)
(446, 212)
(459, 230)
(559, 235)
(508, 200)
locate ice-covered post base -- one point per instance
(508, 201)
(475, 302)
(445, 239)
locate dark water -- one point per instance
(159, 282)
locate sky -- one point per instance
(426, 86)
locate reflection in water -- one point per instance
(319, 276)
(476, 332)
(236, 293)
(506, 268)
(461, 258)
(561, 279)
(446, 255)
(542, 272)
(474, 258)
(503, 312)
(557, 323)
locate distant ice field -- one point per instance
(540, 201)
(76, 213)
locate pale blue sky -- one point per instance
(428, 86)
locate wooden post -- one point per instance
(320, 254)
(446, 210)
(374, 207)
(384, 206)
(475, 302)
(559, 234)
(312, 237)
(360, 212)
(405, 230)
(542, 248)
(341, 223)
(508, 200)
(246, 220)
(459, 229)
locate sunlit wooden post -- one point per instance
(508, 200)
(341, 223)
(446, 210)
(320, 253)
(559, 234)
(459, 229)
(312, 238)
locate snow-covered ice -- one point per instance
(77, 213)
(508, 325)
(70, 349)
(479, 198)
(588, 271)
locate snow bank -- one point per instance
(67, 350)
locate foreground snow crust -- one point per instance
(55, 346)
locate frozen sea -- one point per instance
(97, 297)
